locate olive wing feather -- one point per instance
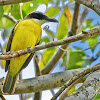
(9, 45)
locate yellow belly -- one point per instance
(26, 34)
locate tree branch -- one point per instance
(74, 26)
(86, 34)
(43, 82)
(82, 74)
(37, 95)
(7, 2)
(83, 18)
(89, 89)
(64, 94)
(10, 18)
(80, 50)
(2, 97)
(93, 4)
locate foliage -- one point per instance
(63, 27)
(75, 60)
(97, 97)
(46, 56)
(50, 11)
(2, 11)
(64, 15)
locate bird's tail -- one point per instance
(9, 84)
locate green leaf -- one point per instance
(57, 2)
(51, 1)
(52, 11)
(28, 7)
(44, 1)
(64, 59)
(88, 61)
(98, 54)
(97, 97)
(15, 11)
(44, 39)
(92, 40)
(1, 11)
(71, 90)
(88, 25)
(2, 62)
(68, 14)
(46, 56)
(63, 27)
(71, 0)
(75, 60)
(5, 46)
(5, 23)
(88, 22)
(7, 8)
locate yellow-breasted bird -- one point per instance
(26, 33)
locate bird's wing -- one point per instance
(28, 59)
(26, 62)
(9, 45)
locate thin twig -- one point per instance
(52, 91)
(20, 78)
(2, 97)
(27, 96)
(91, 4)
(83, 18)
(64, 94)
(78, 50)
(37, 95)
(37, 67)
(10, 17)
(21, 11)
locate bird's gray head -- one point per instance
(40, 17)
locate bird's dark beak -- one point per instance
(51, 19)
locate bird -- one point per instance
(25, 33)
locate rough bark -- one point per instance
(43, 82)
(89, 89)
